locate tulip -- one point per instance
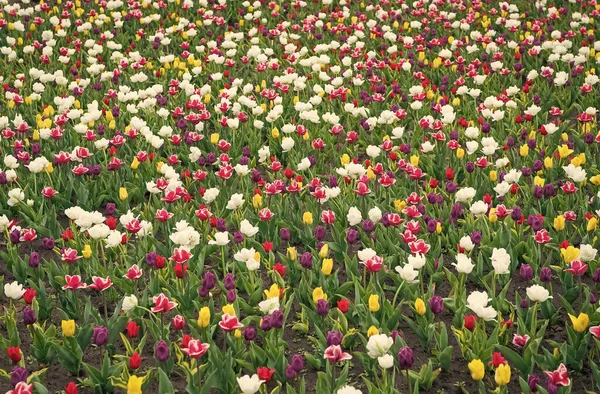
(406, 358)
(86, 252)
(135, 361)
(249, 384)
(100, 336)
(204, 317)
(68, 328)
(420, 306)
(327, 266)
(123, 194)
(374, 303)
(307, 218)
(17, 375)
(14, 353)
(162, 351)
(318, 294)
(502, 376)
(436, 303)
(580, 323)
(134, 385)
(477, 369)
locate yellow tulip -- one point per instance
(460, 153)
(123, 194)
(237, 334)
(345, 159)
(455, 102)
(374, 303)
(228, 309)
(438, 228)
(370, 174)
(580, 323)
(493, 176)
(327, 266)
(559, 223)
(564, 151)
(68, 327)
(204, 317)
(502, 375)
(292, 253)
(523, 150)
(135, 164)
(477, 369)
(318, 294)
(569, 254)
(595, 180)
(273, 291)
(214, 138)
(49, 168)
(324, 251)
(414, 160)
(86, 252)
(275, 132)
(592, 224)
(134, 385)
(539, 181)
(493, 218)
(307, 218)
(399, 205)
(372, 331)
(420, 306)
(36, 135)
(257, 201)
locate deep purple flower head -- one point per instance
(320, 233)
(238, 238)
(209, 280)
(545, 275)
(249, 333)
(532, 382)
(229, 281)
(162, 351)
(306, 260)
(284, 234)
(334, 338)
(406, 358)
(100, 336)
(436, 303)
(322, 307)
(526, 272)
(18, 374)
(28, 316)
(34, 259)
(297, 362)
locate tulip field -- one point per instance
(299, 196)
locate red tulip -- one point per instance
(264, 373)
(497, 360)
(71, 388)
(343, 305)
(520, 340)
(135, 361)
(280, 269)
(470, 322)
(132, 329)
(14, 353)
(29, 295)
(268, 246)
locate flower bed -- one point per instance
(214, 196)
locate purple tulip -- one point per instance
(228, 281)
(545, 275)
(306, 260)
(334, 338)
(532, 382)
(526, 272)
(297, 363)
(18, 374)
(322, 307)
(249, 334)
(436, 303)
(100, 336)
(162, 352)
(406, 358)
